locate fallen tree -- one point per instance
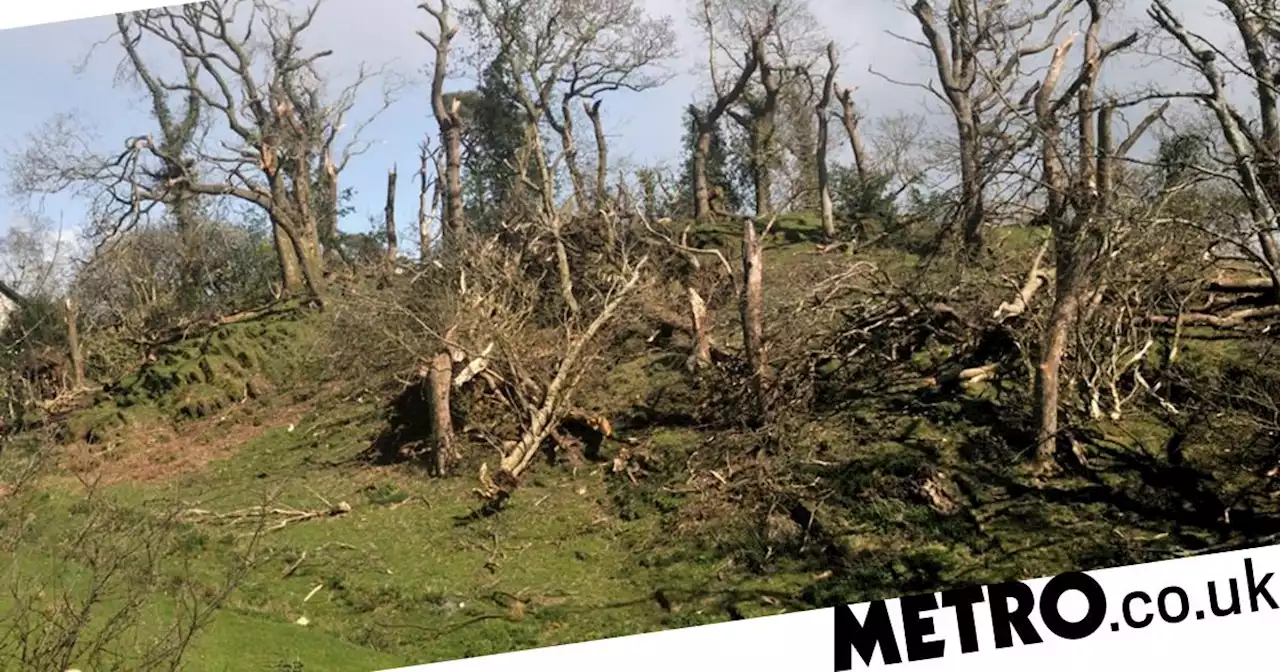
(553, 406)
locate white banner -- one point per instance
(1210, 612)
(17, 13)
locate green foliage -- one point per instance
(857, 201)
(365, 247)
(33, 347)
(39, 324)
(492, 139)
(1177, 155)
(385, 494)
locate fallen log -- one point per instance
(1236, 319)
(546, 415)
(1239, 285)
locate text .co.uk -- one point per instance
(1011, 604)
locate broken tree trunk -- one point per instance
(544, 419)
(752, 309)
(389, 214)
(1231, 320)
(424, 215)
(824, 119)
(439, 381)
(702, 339)
(73, 344)
(849, 115)
(1240, 285)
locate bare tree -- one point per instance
(1253, 148)
(726, 93)
(178, 128)
(430, 195)
(602, 153)
(1079, 201)
(759, 122)
(275, 127)
(823, 110)
(448, 119)
(978, 50)
(389, 214)
(560, 51)
(852, 120)
(784, 55)
(563, 51)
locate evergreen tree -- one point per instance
(492, 141)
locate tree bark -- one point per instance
(762, 151)
(286, 253)
(766, 127)
(424, 214)
(849, 115)
(439, 382)
(73, 344)
(760, 123)
(602, 155)
(1048, 384)
(448, 120)
(701, 338)
(752, 310)
(569, 145)
(1077, 207)
(972, 196)
(389, 214)
(306, 246)
(701, 183)
(824, 125)
(328, 224)
(455, 218)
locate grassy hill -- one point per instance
(365, 564)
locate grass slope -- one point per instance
(403, 579)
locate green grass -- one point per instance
(581, 556)
(407, 584)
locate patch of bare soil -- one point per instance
(162, 451)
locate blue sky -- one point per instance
(642, 127)
(41, 83)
